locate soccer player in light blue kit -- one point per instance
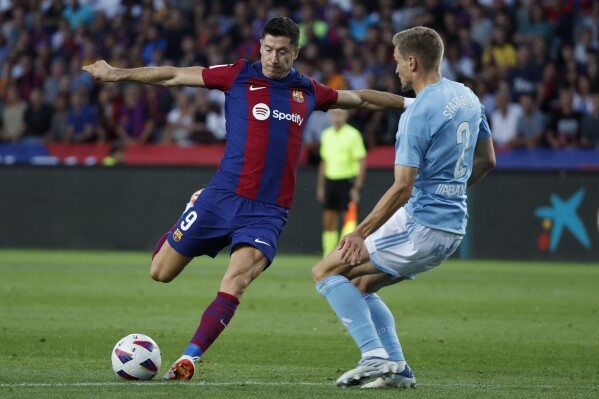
(443, 146)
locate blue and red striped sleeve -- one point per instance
(325, 96)
(222, 76)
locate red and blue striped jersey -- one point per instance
(265, 120)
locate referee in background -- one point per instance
(340, 177)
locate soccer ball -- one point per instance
(136, 357)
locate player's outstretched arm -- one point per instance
(370, 99)
(158, 76)
(484, 160)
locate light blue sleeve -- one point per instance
(485, 130)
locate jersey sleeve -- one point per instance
(412, 143)
(222, 76)
(325, 96)
(484, 129)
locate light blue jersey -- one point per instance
(437, 134)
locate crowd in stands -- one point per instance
(534, 64)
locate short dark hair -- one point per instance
(282, 26)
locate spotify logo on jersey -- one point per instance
(261, 111)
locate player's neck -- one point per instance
(424, 80)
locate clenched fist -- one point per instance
(101, 71)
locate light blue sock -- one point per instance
(352, 310)
(194, 351)
(385, 325)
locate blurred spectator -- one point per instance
(133, 124)
(176, 28)
(152, 43)
(106, 107)
(215, 120)
(52, 82)
(481, 27)
(525, 77)
(312, 30)
(12, 115)
(201, 133)
(81, 120)
(589, 128)
(531, 123)
(26, 77)
(584, 44)
(564, 127)
(38, 118)
(582, 102)
(504, 121)
(179, 126)
(78, 14)
(59, 122)
(534, 25)
(500, 52)
(359, 22)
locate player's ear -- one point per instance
(296, 53)
(412, 63)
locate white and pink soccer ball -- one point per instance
(136, 357)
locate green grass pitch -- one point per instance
(469, 329)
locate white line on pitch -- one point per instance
(267, 383)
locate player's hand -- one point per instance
(100, 70)
(351, 247)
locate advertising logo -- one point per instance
(561, 215)
(261, 111)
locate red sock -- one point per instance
(214, 320)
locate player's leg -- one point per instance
(333, 281)
(167, 263)
(245, 265)
(330, 230)
(385, 326)
(257, 225)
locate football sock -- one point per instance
(214, 320)
(159, 244)
(330, 238)
(385, 326)
(352, 310)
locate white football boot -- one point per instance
(368, 367)
(402, 379)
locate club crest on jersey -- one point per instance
(298, 96)
(177, 235)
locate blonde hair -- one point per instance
(423, 43)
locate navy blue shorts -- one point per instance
(220, 218)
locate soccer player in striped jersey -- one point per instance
(443, 145)
(246, 203)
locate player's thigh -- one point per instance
(246, 263)
(168, 263)
(332, 264)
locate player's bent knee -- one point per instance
(160, 274)
(318, 272)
